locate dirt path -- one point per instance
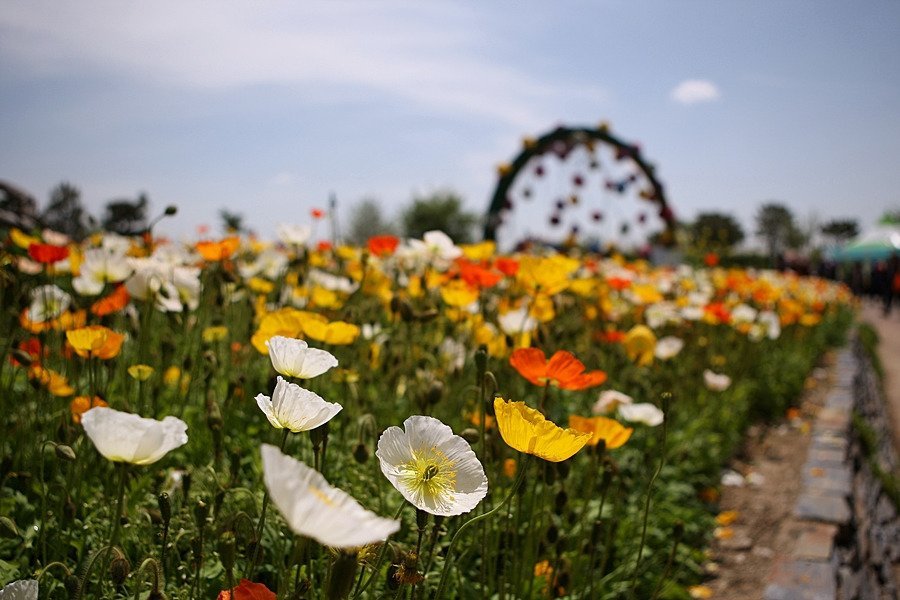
(888, 329)
(771, 462)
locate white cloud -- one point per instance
(693, 91)
(434, 55)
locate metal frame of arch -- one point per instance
(576, 136)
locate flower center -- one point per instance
(430, 475)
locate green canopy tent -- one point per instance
(877, 244)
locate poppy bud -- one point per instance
(227, 549)
(201, 511)
(64, 452)
(343, 573)
(186, 484)
(481, 359)
(8, 528)
(559, 502)
(165, 508)
(552, 534)
(70, 510)
(71, 583)
(171, 210)
(471, 435)
(361, 453)
(319, 435)
(119, 569)
(22, 357)
(434, 393)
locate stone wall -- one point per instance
(848, 546)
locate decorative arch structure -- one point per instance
(561, 141)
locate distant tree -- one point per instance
(65, 212)
(775, 224)
(126, 217)
(840, 230)
(890, 217)
(716, 231)
(442, 210)
(367, 221)
(17, 208)
(231, 222)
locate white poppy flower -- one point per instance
(609, 400)
(315, 509)
(717, 382)
(516, 321)
(294, 235)
(434, 469)
(24, 589)
(643, 412)
(47, 302)
(294, 358)
(668, 347)
(126, 437)
(294, 408)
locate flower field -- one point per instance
(246, 419)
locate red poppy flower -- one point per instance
(562, 370)
(383, 245)
(247, 590)
(317, 213)
(477, 276)
(618, 283)
(507, 266)
(47, 253)
(711, 259)
(33, 348)
(718, 312)
(114, 302)
(323, 246)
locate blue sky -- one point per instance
(265, 108)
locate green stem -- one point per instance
(378, 560)
(117, 516)
(662, 462)
(262, 518)
(474, 520)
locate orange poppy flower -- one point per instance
(613, 433)
(216, 251)
(247, 590)
(562, 370)
(47, 253)
(317, 213)
(82, 404)
(114, 302)
(711, 259)
(383, 245)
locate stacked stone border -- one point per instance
(848, 545)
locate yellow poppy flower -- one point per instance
(640, 344)
(458, 293)
(140, 372)
(613, 433)
(216, 333)
(480, 251)
(95, 341)
(528, 431)
(259, 285)
(338, 333)
(287, 322)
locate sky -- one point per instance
(268, 108)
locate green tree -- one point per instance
(840, 230)
(716, 231)
(126, 217)
(367, 220)
(65, 212)
(442, 210)
(17, 208)
(232, 222)
(775, 225)
(890, 217)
